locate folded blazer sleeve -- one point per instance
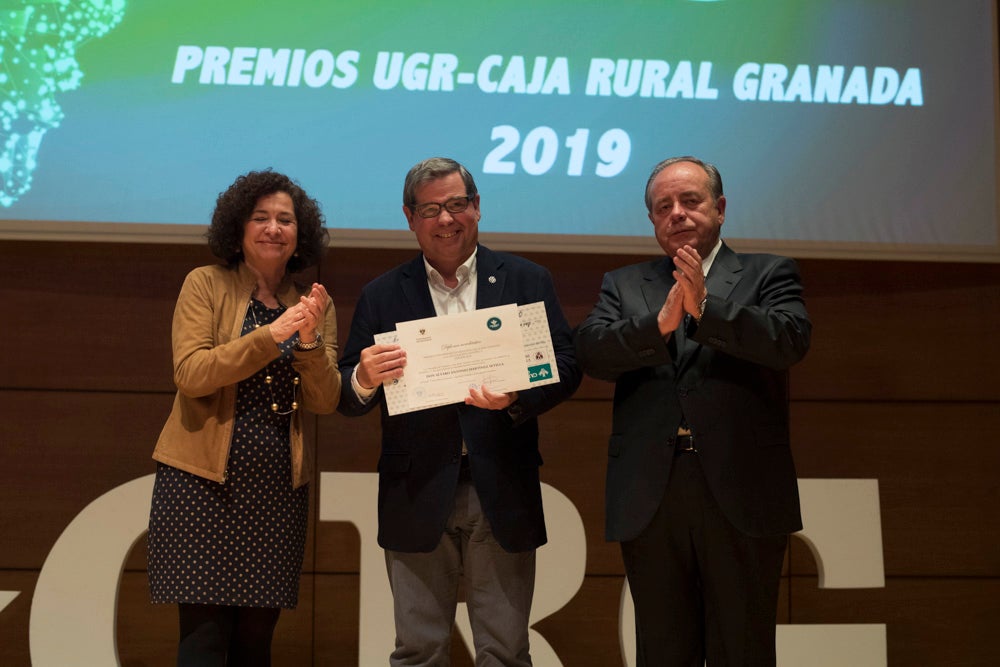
(621, 333)
(773, 331)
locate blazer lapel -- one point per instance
(491, 278)
(725, 273)
(657, 283)
(414, 287)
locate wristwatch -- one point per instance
(299, 345)
(701, 308)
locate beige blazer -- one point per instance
(210, 358)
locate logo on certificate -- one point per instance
(493, 323)
(539, 373)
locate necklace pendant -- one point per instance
(269, 379)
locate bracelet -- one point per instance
(305, 347)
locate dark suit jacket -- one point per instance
(727, 376)
(418, 467)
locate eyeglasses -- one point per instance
(433, 209)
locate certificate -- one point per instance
(507, 348)
(447, 356)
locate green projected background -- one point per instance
(835, 124)
(39, 42)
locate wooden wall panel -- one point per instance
(936, 466)
(900, 385)
(901, 331)
(100, 312)
(336, 620)
(929, 622)
(60, 451)
(14, 617)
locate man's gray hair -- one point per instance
(714, 178)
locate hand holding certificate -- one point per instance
(506, 348)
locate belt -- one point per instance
(684, 443)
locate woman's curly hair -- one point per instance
(234, 207)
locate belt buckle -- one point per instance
(688, 446)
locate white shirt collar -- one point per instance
(458, 299)
(706, 264)
(463, 272)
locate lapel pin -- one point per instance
(493, 280)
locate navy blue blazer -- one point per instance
(419, 463)
(727, 376)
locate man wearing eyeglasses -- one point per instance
(459, 493)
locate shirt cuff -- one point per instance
(365, 395)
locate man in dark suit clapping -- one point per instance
(701, 488)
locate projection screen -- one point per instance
(842, 128)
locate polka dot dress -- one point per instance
(239, 542)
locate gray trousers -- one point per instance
(498, 590)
